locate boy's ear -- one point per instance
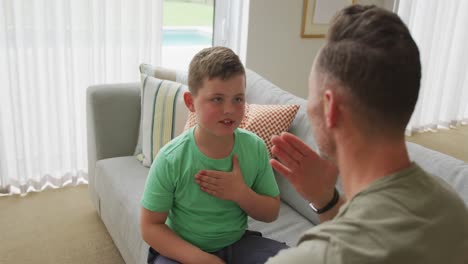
(188, 99)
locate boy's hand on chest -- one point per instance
(223, 185)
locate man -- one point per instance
(363, 88)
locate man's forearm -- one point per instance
(260, 207)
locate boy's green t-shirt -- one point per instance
(203, 220)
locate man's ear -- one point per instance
(188, 99)
(330, 108)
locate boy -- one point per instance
(204, 183)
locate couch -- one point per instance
(117, 178)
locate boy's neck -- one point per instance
(213, 146)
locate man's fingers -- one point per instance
(283, 170)
(298, 144)
(286, 147)
(285, 158)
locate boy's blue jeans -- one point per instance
(252, 248)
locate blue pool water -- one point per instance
(186, 37)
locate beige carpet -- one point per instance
(61, 226)
(453, 142)
(54, 226)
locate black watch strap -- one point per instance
(330, 205)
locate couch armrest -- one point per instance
(113, 119)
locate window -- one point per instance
(187, 28)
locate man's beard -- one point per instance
(326, 145)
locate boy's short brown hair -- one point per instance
(213, 62)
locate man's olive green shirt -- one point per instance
(406, 217)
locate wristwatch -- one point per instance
(330, 205)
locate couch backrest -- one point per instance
(262, 91)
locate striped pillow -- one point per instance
(162, 106)
(163, 74)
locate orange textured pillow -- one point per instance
(263, 120)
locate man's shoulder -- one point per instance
(411, 204)
(416, 186)
(402, 194)
(412, 184)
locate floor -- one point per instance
(54, 226)
(453, 142)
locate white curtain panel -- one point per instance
(50, 52)
(439, 29)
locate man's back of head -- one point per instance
(372, 56)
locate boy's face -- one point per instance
(220, 105)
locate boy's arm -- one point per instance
(260, 207)
(231, 186)
(160, 237)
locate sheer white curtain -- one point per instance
(231, 25)
(50, 52)
(439, 28)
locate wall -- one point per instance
(275, 49)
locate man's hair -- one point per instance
(371, 54)
(214, 62)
